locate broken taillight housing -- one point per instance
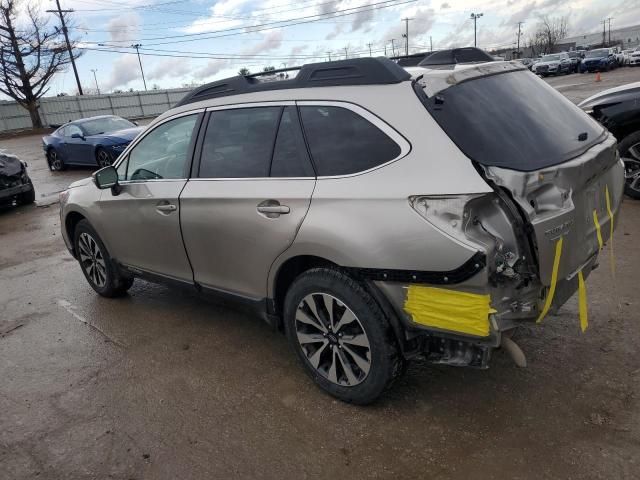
(445, 212)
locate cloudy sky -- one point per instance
(193, 41)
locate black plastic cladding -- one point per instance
(357, 71)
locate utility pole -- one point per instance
(475, 17)
(137, 46)
(329, 54)
(60, 13)
(519, 33)
(369, 45)
(385, 49)
(346, 52)
(406, 35)
(609, 20)
(393, 47)
(604, 32)
(96, 79)
(430, 43)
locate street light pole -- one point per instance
(96, 79)
(475, 17)
(519, 33)
(137, 46)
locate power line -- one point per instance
(271, 25)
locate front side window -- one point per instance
(342, 142)
(238, 143)
(161, 154)
(71, 129)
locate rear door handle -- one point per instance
(166, 208)
(280, 209)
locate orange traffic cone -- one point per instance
(598, 79)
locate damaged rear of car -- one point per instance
(557, 184)
(15, 184)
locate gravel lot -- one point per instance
(164, 385)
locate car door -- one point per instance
(141, 223)
(78, 150)
(250, 192)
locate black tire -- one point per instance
(56, 163)
(28, 197)
(625, 144)
(103, 158)
(385, 361)
(106, 280)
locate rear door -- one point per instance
(249, 195)
(141, 224)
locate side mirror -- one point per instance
(77, 135)
(106, 177)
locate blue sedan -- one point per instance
(95, 141)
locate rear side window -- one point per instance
(342, 142)
(513, 120)
(238, 143)
(290, 158)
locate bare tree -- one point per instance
(30, 56)
(549, 32)
(244, 71)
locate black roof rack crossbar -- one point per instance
(356, 71)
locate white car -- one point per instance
(634, 57)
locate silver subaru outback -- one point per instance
(374, 214)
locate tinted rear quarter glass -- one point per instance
(513, 120)
(342, 142)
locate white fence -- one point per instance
(59, 110)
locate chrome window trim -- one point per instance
(138, 139)
(393, 134)
(236, 106)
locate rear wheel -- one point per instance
(96, 263)
(103, 158)
(55, 162)
(341, 336)
(629, 149)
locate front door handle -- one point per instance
(166, 208)
(272, 209)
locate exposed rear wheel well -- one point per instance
(70, 225)
(290, 270)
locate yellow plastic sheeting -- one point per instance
(610, 212)
(582, 302)
(554, 281)
(596, 222)
(449, 309)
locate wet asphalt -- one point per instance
(161, 384)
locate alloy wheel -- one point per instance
(92, 259)
(632, 167)
(54, 160)
(104, 159)
(333, 339)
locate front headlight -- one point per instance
(63, 197)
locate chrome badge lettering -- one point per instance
(559, 230)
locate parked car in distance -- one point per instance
(15, 184)
(598, 60)
(527, 62)
(553, 64)
(408, 217)
(634, 57)
(618, 109)
(95, 141)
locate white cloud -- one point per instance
(124, 70)
(124, 27)
(170, 68)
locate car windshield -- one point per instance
(551, 58)
(597, 53)
(106, 125)
(493, 123)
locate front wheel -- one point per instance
(103, 159)
(96, 263)
(341, 336)
(56, 164)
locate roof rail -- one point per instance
(356, 71)
(456, 55)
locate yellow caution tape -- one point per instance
(610, 212)
(582, 302)
(598, 232)
(554, 280)
(449, 309)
